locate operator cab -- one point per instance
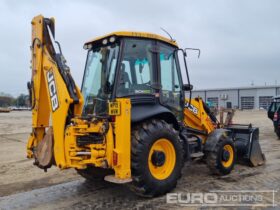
(140, 66)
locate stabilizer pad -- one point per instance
(44, 150)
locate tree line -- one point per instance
(7, 100)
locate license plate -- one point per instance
(114, 108)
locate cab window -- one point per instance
(136, 70)
(170, 80)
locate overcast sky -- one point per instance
(239, 39)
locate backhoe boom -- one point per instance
(54, 94)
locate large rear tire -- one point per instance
(221, 160)
(157, 158)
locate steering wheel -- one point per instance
(148, 84)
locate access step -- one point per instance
(197, 155)
(113, 179)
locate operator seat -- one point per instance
(125, 83)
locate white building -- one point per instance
(254, 97)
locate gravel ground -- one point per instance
(24, 186)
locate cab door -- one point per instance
(170, 80)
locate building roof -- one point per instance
(239, 88)
(135, 34)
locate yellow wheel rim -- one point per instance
(162, 159)
(228, 148)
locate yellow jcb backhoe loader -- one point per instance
(129, 122)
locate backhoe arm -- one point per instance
(55, 98)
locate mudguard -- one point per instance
(213, 138)
(144, 112)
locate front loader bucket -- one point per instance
(246, 141)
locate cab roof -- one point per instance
(135, 34)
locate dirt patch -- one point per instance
(24, 186)
(17, 173)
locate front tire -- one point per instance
(157, 158)
(221, 161)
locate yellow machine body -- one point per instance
(51, 102)
(140, 135)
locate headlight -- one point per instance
(112, 39)
(87, 46)
(104, 41)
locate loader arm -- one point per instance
(201, 123)
(55, 98)
(197, 120)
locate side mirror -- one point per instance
(187, 87)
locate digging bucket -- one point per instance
(246, 141)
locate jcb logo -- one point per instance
(52, 90)
(192, 108)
